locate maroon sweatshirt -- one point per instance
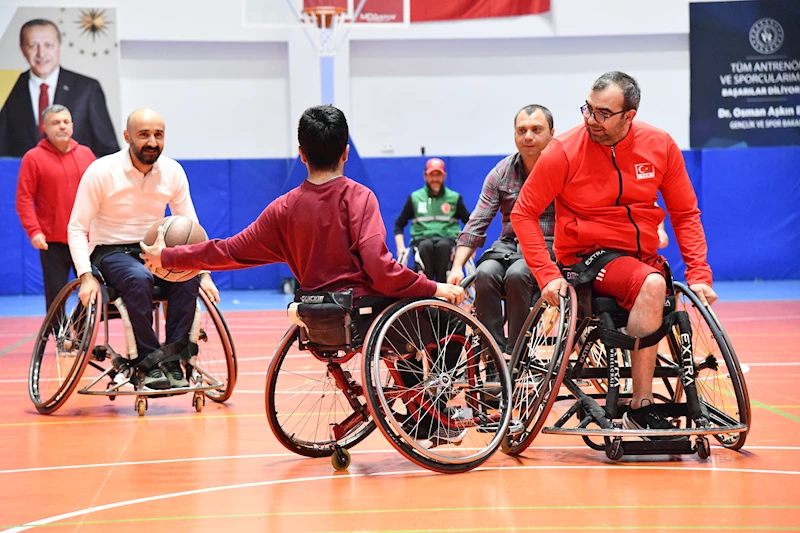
(46, 187)
(331, 236)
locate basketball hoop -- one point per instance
(326, 26)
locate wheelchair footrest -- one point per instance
(619, 432)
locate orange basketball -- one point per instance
(177, 231)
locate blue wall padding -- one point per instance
(32, 275)
(210, 185)
(752, 212)
(254, 184)
(671, 252)
(749, 198)
(12, 237)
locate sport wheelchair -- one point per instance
(67, 343)
(578, 346)
(415, 368)
(419, 265)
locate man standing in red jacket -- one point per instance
(48, 180)
(605, 177)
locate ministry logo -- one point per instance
(766, 36)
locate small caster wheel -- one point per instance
(614, 449)
(111, 385)
(703, 448)
(141, 407)
(198, 403)
(340, 459)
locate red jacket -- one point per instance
(46, 187)
(605, 198)
(331, 235)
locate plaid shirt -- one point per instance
(500, 191)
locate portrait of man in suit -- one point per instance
(47, 83)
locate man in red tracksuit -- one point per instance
(48, 180)
(605, 177)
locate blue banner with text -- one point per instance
(745, 73)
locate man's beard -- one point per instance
(147, 155)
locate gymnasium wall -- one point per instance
(232, 90)
(749, 199)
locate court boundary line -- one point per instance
(290, 454)
(330, 477)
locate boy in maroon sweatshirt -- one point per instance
(48, 180)
(328, 230)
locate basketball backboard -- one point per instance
(287, 13)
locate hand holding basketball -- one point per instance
(152, 254)
(169, 232)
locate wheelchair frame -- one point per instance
(122, 372)
(679, 371)
(357, 407)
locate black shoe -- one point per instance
(491, 394)
(648, 417)
(174, 374)
(155, 379)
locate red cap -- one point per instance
(434, 164)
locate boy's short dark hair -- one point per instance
(323, 135)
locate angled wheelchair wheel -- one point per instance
(303, 400)
(718, 375)
(216, 355)
(538, 364)
(63, 348)
(436, 385)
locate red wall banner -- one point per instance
(383, 11)
(426, 10)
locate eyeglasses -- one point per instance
(598, 115)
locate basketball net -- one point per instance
(326, 27)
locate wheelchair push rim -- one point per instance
(301, 403)
(216, 354)
(62, 349)
(455, 414)
(538, 365)
(718, 375)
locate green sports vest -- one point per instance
(434, 216)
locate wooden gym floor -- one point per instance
(95, 465)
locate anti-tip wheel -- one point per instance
(703, 448)
(198, 403)
(340, 459)
(141, 407)
(614, 449)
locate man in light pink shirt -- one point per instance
(119, 198)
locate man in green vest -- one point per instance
(434, 211)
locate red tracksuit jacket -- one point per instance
(605, 198)
(46, 187)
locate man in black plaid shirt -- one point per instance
(501, 269)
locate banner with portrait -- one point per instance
(83, 64)
(745, 73)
